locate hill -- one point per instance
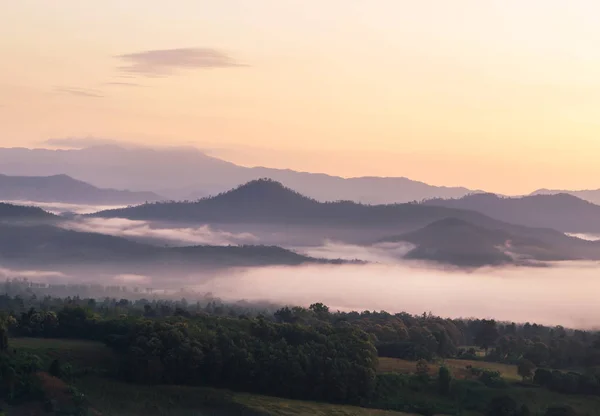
(27, 245)
(562, 212)
(20, 212)
(460, 243)
(268, 201)
(269, 204)
(63, 188)
(590, 195)
(187, 173)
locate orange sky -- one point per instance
(497, 95)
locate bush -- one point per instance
(55, 370)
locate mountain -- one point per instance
(19, 212)
(27, 245)
(461, 243)
(63, 188)
(270, 206)
(562, 212)
(187, 173)
(592, 195)
(266, 201)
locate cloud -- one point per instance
(62, 207)
(123, 84)
(582, 236)
(163, 62)
(28, 274)
(386, 253)
(79, 92)
(83, 142)
(147, 230)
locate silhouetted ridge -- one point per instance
(44, 244)
(11, 211)
(264, 191)
(562, 211)
(63, 188)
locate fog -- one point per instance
(377, 253)
(63, 207)
(589, 237)
(565, 293)
(158, 233)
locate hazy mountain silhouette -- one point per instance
(591, 195)
(461, 243)
(271, 204)
(63, 188)
(187, 173)
(19, 212)
(24, 245)
(562, 212)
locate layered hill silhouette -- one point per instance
(590, 195)
(269, 203)
(45, 245)
(187, 173)
(461, 243)
(63, 188)
(562, 212)
(13, 212)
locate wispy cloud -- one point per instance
(163, 62)
(79, 92)
(83, 142)
(123, 84)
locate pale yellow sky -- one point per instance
(496, 95)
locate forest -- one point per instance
(303, 353)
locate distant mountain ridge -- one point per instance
(34, 245)
(13, 212)
(591, 195)
(269, 203)
(63, 188)
(461, 243)
(563, 212)
(187, 173)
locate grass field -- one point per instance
(78, 353)
(112, 398)
(457, 367)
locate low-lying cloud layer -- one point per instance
(203, 235)
(564, 294)
(378, 253)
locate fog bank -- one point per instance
(565, 294)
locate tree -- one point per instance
(502, 406)
(526, 369)
(422, 368)
(487, 334)
(3, 339)
(560, 411)
(444, 380)
(55, 369)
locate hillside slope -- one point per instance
(562, 212)
(63, 188)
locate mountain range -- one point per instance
(563, 212)
(63, 188)
(187, 173)
(591, 195)
(269, 203)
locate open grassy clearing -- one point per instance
(114, 398)
(457, 367)
(79, 353)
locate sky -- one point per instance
(495, 95)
